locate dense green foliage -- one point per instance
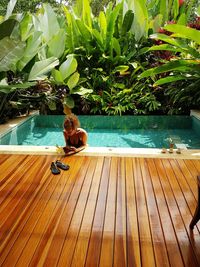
(98, 63)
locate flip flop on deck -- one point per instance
(54, 168)
(61, 165)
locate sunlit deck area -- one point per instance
(104, 211)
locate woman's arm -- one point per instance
(82, 135)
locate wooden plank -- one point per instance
(107, 248)
(94, 248)
(120, 248)
(80, 252)
(161, 189)
(3, 158)
(159, 245)
(146, 243)
(133, 243)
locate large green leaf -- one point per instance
(169, 79)
(166, 38)
(48, 23)
(111, 24)
(73, 80)
(184, 31)
(86, 13)
(32, 48)
(10, 53)
(57, 44)
(103, 24)
(69, 30)
(178, 45)
(41, 68)
(5, 88)
(166, 47)
(7, 27)
(116, 46)
(181, 65)
(81, 91)
(84, 31)
(99, 39)
(56, 74)
(140, 23)
(26, 26)
(68, 67)
(127, 22)
(164, 9)
(68, 101)
(10, 7)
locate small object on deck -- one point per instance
(196, 216)
(61, 165)
(178, 151)
(59, 149)
(54, 168)
(171, 146)
(164, 150)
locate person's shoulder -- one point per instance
(81, 130)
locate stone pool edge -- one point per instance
(102, 151)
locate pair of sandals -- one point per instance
(55, 166)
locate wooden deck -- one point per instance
(104, 211)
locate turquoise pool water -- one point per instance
(110, 131)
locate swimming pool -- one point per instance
(110, 131)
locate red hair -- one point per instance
(71, 122)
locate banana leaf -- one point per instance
(6, 89)
(41, 68)
(6, 27)
(10, 53)
(48, 23)
(56, 46)
(140, 23)
(10, 7)
(32, 48)
(26, 27)
(68, 67)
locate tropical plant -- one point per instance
(182, 69)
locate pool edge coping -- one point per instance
(103, 151)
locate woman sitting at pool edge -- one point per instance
(75, 137)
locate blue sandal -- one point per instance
(61, 165)
(54, 168)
